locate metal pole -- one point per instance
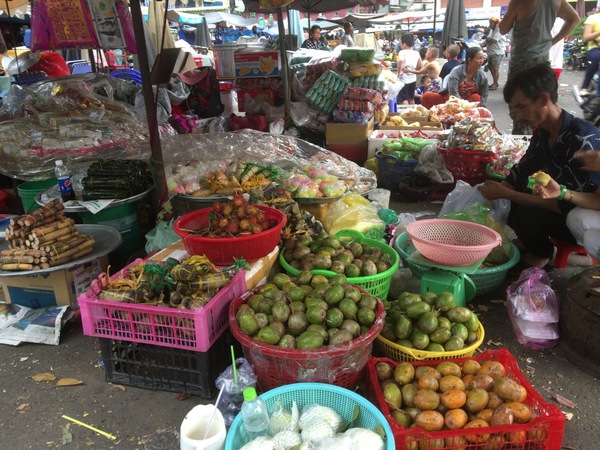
(434, 18)
(151, 117)
(284, 68)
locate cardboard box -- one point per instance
(57, 288)
(423, 125)
(256, 64)
(348, 134)
(266, 95)
(378, 138)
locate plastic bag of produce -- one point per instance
(464, 195)
(533, 309)
(352, 212)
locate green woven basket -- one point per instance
(486, 279)
(343, 401)
(378, 284)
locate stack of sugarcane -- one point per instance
(116, 178)
(43, 238)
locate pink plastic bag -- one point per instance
(533, 309)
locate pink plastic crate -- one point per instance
(160, 325)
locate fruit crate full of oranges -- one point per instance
(482, 402)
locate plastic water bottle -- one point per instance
(255, 414)
(64, 181)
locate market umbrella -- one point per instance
(455, 22)
(358, 21)
(324, 24)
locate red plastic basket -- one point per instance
(342, 365)
(546, 431)
(194, 329)
(467, 165)
(221, 251)
(452, 242)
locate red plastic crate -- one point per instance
(194, 329)
(545, 432)
(269, 95)
(354, 153)
(467, 165)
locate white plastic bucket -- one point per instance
(381, 196)
(194, 426)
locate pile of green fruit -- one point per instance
(430, 322)
(309, 312)
(328, 252)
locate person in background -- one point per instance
(494, 42)
(347, 39)
(591, 35)
(467, 81)
(557, 50)
(451, 54)
(430, 41)
(531, 23)
(431, 68)
(425, 83)
(314, 40)
(416, 44)
(408, 58)
(533, 94)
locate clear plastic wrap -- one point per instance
(188, 159)
(353, 212)
(64, 118)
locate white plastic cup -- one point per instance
(381, 196)
(194, 426)
(4, 83)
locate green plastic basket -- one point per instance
(342, 400)
(377, 285)
(486, 279)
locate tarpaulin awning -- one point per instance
(232, 19)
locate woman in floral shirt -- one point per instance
(467, 81)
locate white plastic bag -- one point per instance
(464, 195)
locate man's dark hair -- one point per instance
(408, 39)
(532, 83)
(347, 25)
(314, 28)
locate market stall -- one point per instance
(281, 257)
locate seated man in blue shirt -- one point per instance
(533, 94)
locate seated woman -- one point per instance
(467, 81)
(584, 220)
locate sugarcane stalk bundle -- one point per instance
(43, 238)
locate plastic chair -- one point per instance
(28, 78)
(563, 250)
(128, 74)
(81, 67)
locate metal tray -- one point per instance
(75, 207)
(107, 239)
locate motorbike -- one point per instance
(589, 103)
(465, 45)
(576, 54)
